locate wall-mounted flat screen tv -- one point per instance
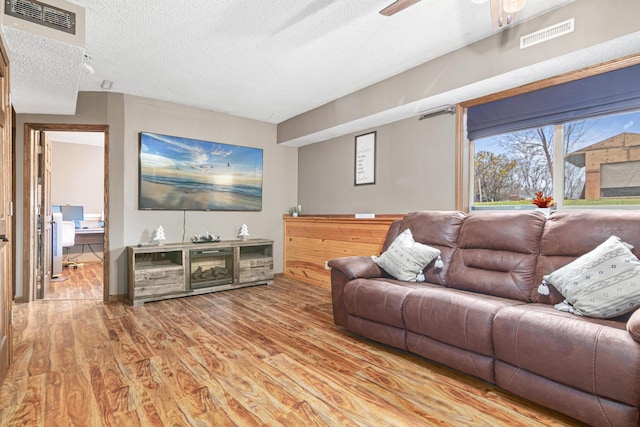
(189, 174)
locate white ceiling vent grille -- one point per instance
(548, 33)
(42, 14)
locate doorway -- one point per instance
(47, 194)
(76, 195)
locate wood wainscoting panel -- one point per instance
(310, 241)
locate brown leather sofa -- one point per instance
(481, 313)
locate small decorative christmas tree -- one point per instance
(244, 232)
(157, 236)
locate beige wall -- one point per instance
(126, 117)
(414, 170)
(77, 176)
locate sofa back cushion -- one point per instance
(392, 233)
(497, 254)
(569, 234)
(438, 229)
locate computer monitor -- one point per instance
(72, 213)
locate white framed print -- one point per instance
(365, 164)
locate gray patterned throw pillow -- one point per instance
(405, 258)
(602, 283)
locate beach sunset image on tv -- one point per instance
(188, 174)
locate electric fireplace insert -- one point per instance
(211, 267)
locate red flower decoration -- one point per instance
(543, 202)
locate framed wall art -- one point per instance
(365, 165)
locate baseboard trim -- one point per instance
(119, 297)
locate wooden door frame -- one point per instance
(29, 246)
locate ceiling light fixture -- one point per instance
(503, 12)
(513, 6)
(87, 69)
(106, 84)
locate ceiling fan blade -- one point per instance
(499, 17)
(397, 6)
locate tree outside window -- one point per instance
(600, 161)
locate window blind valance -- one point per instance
(610, 92)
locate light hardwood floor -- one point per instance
(260, 356)
(82, 283)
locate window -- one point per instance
(590, 162)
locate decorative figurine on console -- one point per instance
(206, 237)
(244, 232)
(157, 236)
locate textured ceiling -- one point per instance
(266, 60)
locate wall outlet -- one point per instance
(326, 265)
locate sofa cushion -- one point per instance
(457, 358)
(389, 335)
(405, 259)
(438, 229)
(565, 238)
(596, 356)
(583, 406)
(392, 233)
(379, 300)
(602, 283)
(454, 317)
(497, 253)
(633, 325)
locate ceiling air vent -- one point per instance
(42, 14)
(548, 33)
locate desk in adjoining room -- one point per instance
(89, 236)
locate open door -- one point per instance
(46, 218)
(6, 211)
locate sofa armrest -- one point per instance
(343, 270)
(356, 267)
(633, 325)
